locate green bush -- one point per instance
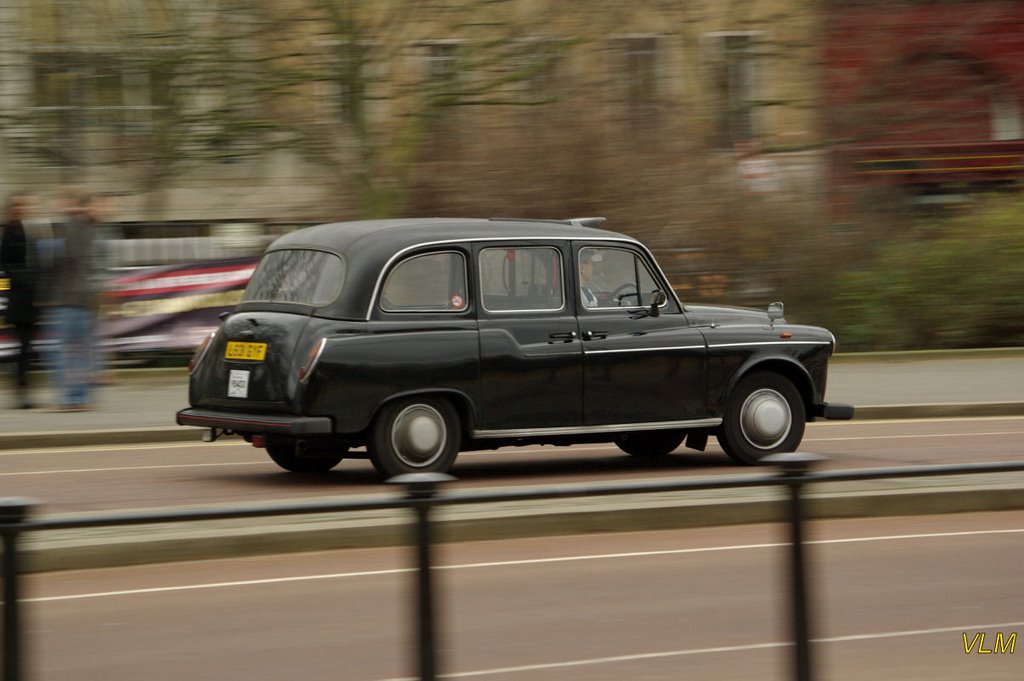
(958, 283)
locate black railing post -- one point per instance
(13, 512)
(421, 489)
(794, 469)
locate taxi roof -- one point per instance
(400, 234)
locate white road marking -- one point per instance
(513, 563)
(720, 649)
(917, 436)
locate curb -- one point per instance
(89, 438)
(927, 355)
(204, 540)
(937, 411)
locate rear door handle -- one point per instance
(595, 335)
(565, 337)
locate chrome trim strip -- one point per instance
(316, 358)
(738, 345)
(543, 310)
(206, 349)
(580, 430)
(677, 347)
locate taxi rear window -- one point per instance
(300, 276)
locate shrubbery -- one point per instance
(956, 283)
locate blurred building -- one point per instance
(298, 109)
(922, 100)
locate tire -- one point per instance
(764, 415)
(651, 443)
(415, 436)
(282, 452)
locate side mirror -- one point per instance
(775, 311)
(658, 299)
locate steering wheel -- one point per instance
(627, 290)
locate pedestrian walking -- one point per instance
(20, 263)
(76, 294)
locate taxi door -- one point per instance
(638, 368)
(530, 351)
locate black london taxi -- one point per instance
(408, 341)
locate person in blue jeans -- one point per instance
(75, 304)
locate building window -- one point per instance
(440, 61)
(640, 56)
(1006, 116)
(439, 87)
(78, 95)
(349, 84)
(100, 90)
(636, 74)
(736, 76)
(537, 68)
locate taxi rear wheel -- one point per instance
(282, 451)
(765, 415)
(415, 435)
(651, 443)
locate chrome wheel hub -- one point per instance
(765, 418)
(419, 435)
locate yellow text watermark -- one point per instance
(1003, 644)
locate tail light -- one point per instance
(200, 353)
(314, 356)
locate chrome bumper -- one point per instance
(255, 423)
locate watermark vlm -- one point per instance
(1004, 644)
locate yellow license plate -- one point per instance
(251, 351)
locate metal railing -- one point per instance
(423, 495)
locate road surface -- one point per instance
(895, 599)
(103, 478)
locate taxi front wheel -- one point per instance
(765, 415)
(415, 435)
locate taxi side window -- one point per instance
(522, 279)
(433, 282)
(614, 277)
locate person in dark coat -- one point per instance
(19, 262)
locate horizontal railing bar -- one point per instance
(533, 494)
(913, 471)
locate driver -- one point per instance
(588, 290)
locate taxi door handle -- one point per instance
(566, 337)
(595, 335)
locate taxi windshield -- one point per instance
(302, 276)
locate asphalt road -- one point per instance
(894, 599)
(169, 475)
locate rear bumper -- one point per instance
(255, 423)
(834, 411)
